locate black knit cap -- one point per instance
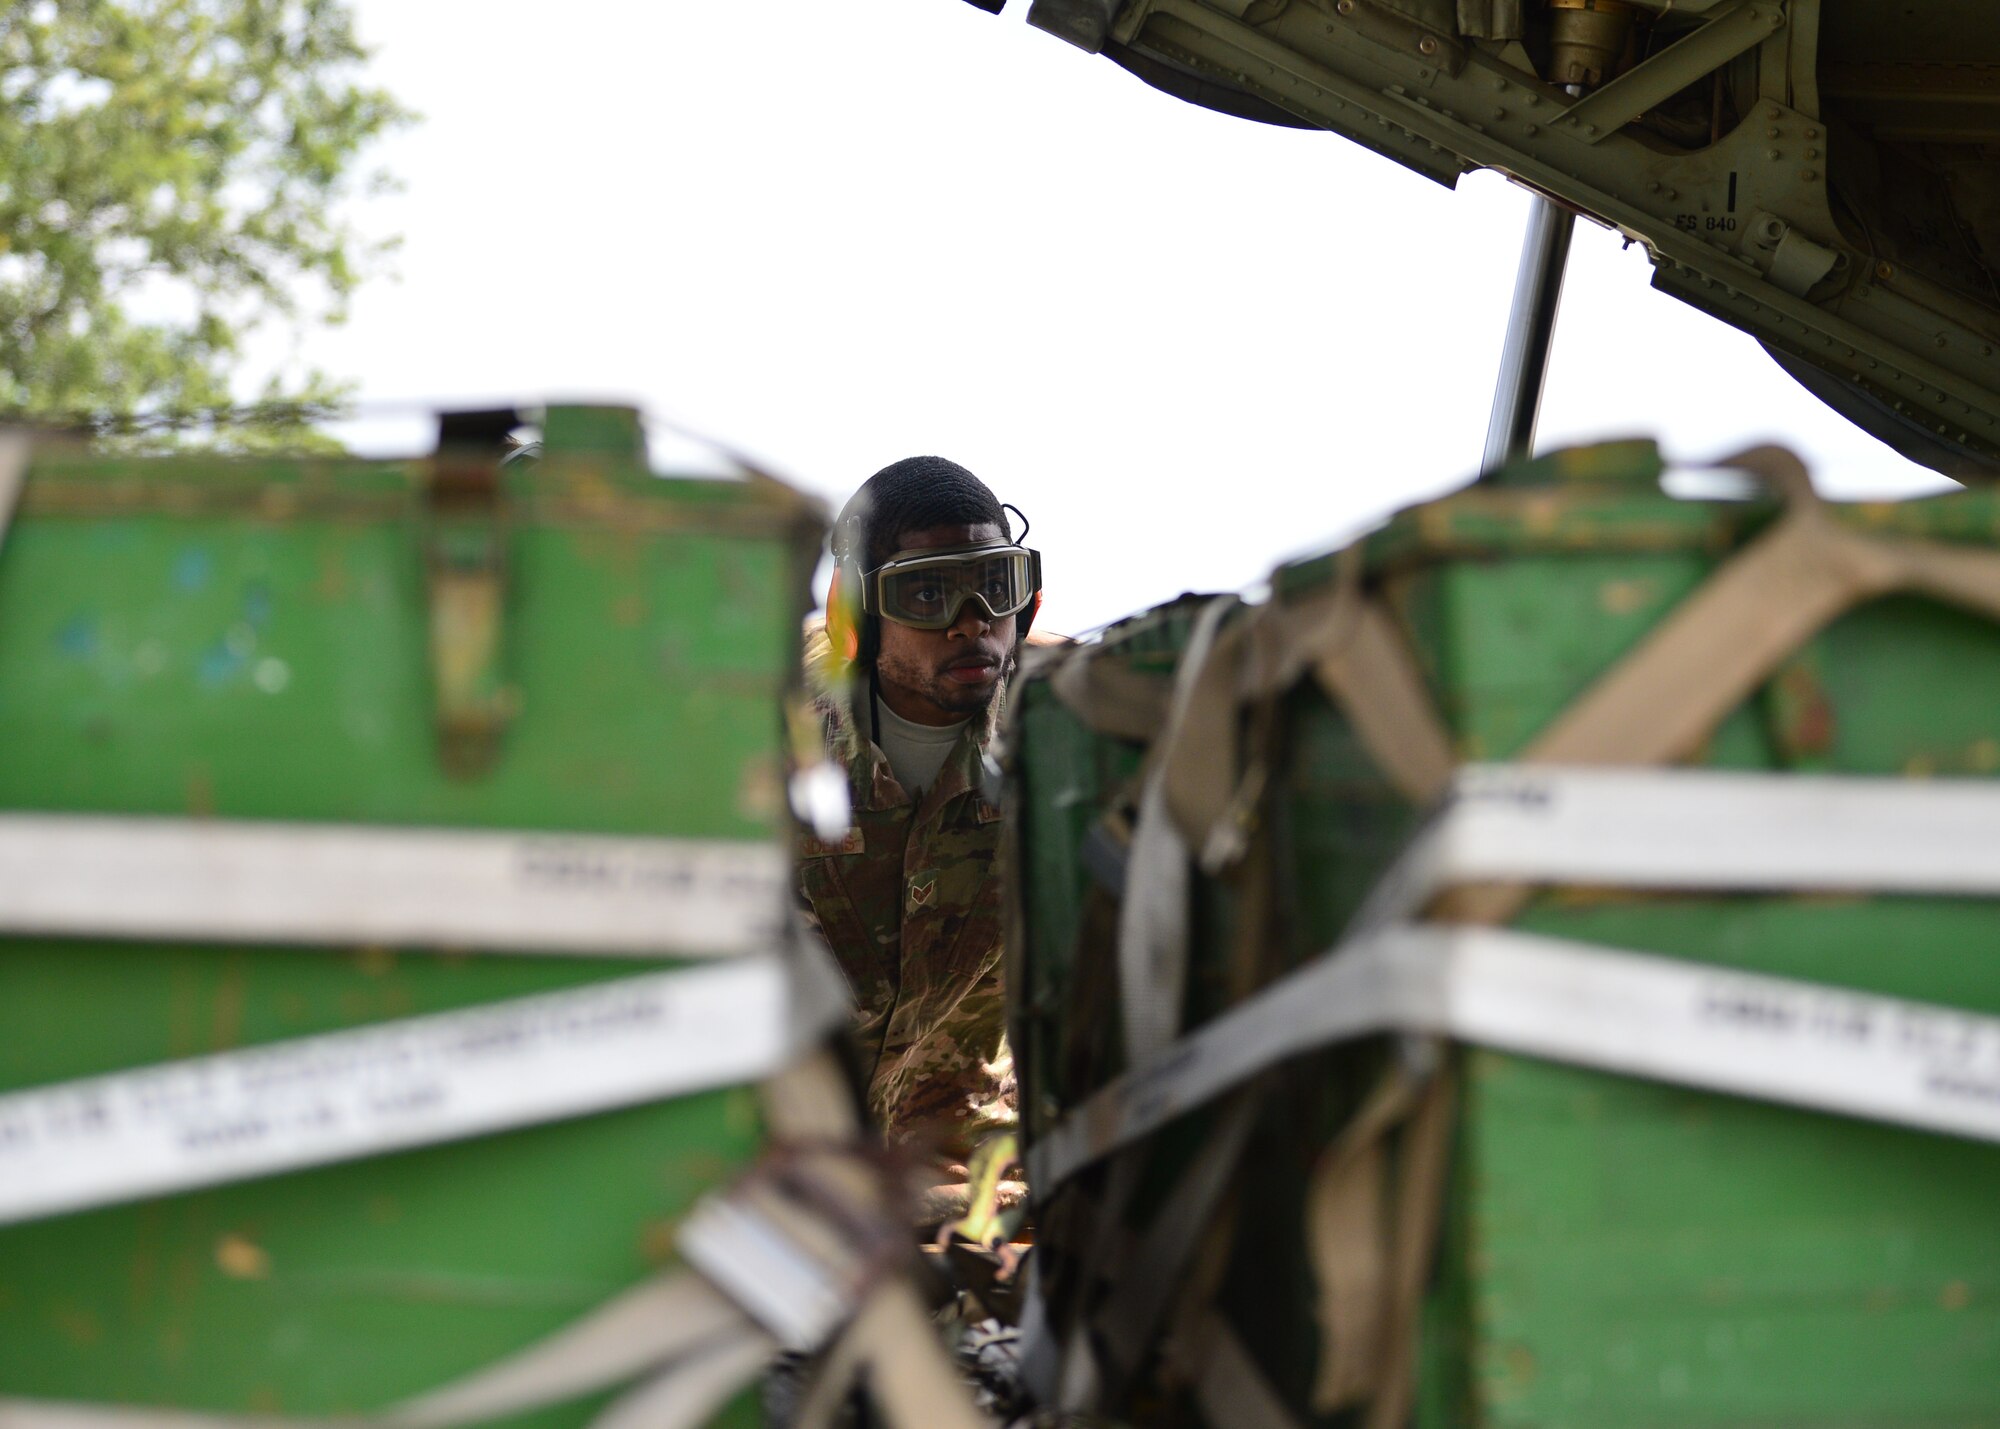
(914, 494)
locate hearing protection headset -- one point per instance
(848, 630)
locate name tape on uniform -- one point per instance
(87, 876)
(397, 1085)
(1689, 1023)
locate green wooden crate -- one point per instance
(274, 640)
(1616, 1252)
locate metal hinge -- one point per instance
(465, 563)
(14, 448)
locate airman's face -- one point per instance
(940, 677)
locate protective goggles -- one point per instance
(927, 589)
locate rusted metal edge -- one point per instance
(76, 497)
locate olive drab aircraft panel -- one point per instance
(1819, 175)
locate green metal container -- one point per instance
(573, 646)
(1615, 1252)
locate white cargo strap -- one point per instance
(1153, 930)
(1688, 1023)
(71, 875)
(820, 1263)
(799, 1257)
(1701, 829)
(681, 1342)
(414, 1082)
(811, 1246)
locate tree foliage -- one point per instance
(173, 176)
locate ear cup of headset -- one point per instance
(847, 626)
(844, 620)
(1026, 620)
(1027, 617)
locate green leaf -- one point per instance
(195, 157)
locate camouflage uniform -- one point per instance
(909, 901)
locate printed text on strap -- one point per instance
(1676, 1021)
(396, 1085)
(90, 876)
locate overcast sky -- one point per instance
(838, 232)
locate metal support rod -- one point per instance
(1531, 327)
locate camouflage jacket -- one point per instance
(909, 902)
